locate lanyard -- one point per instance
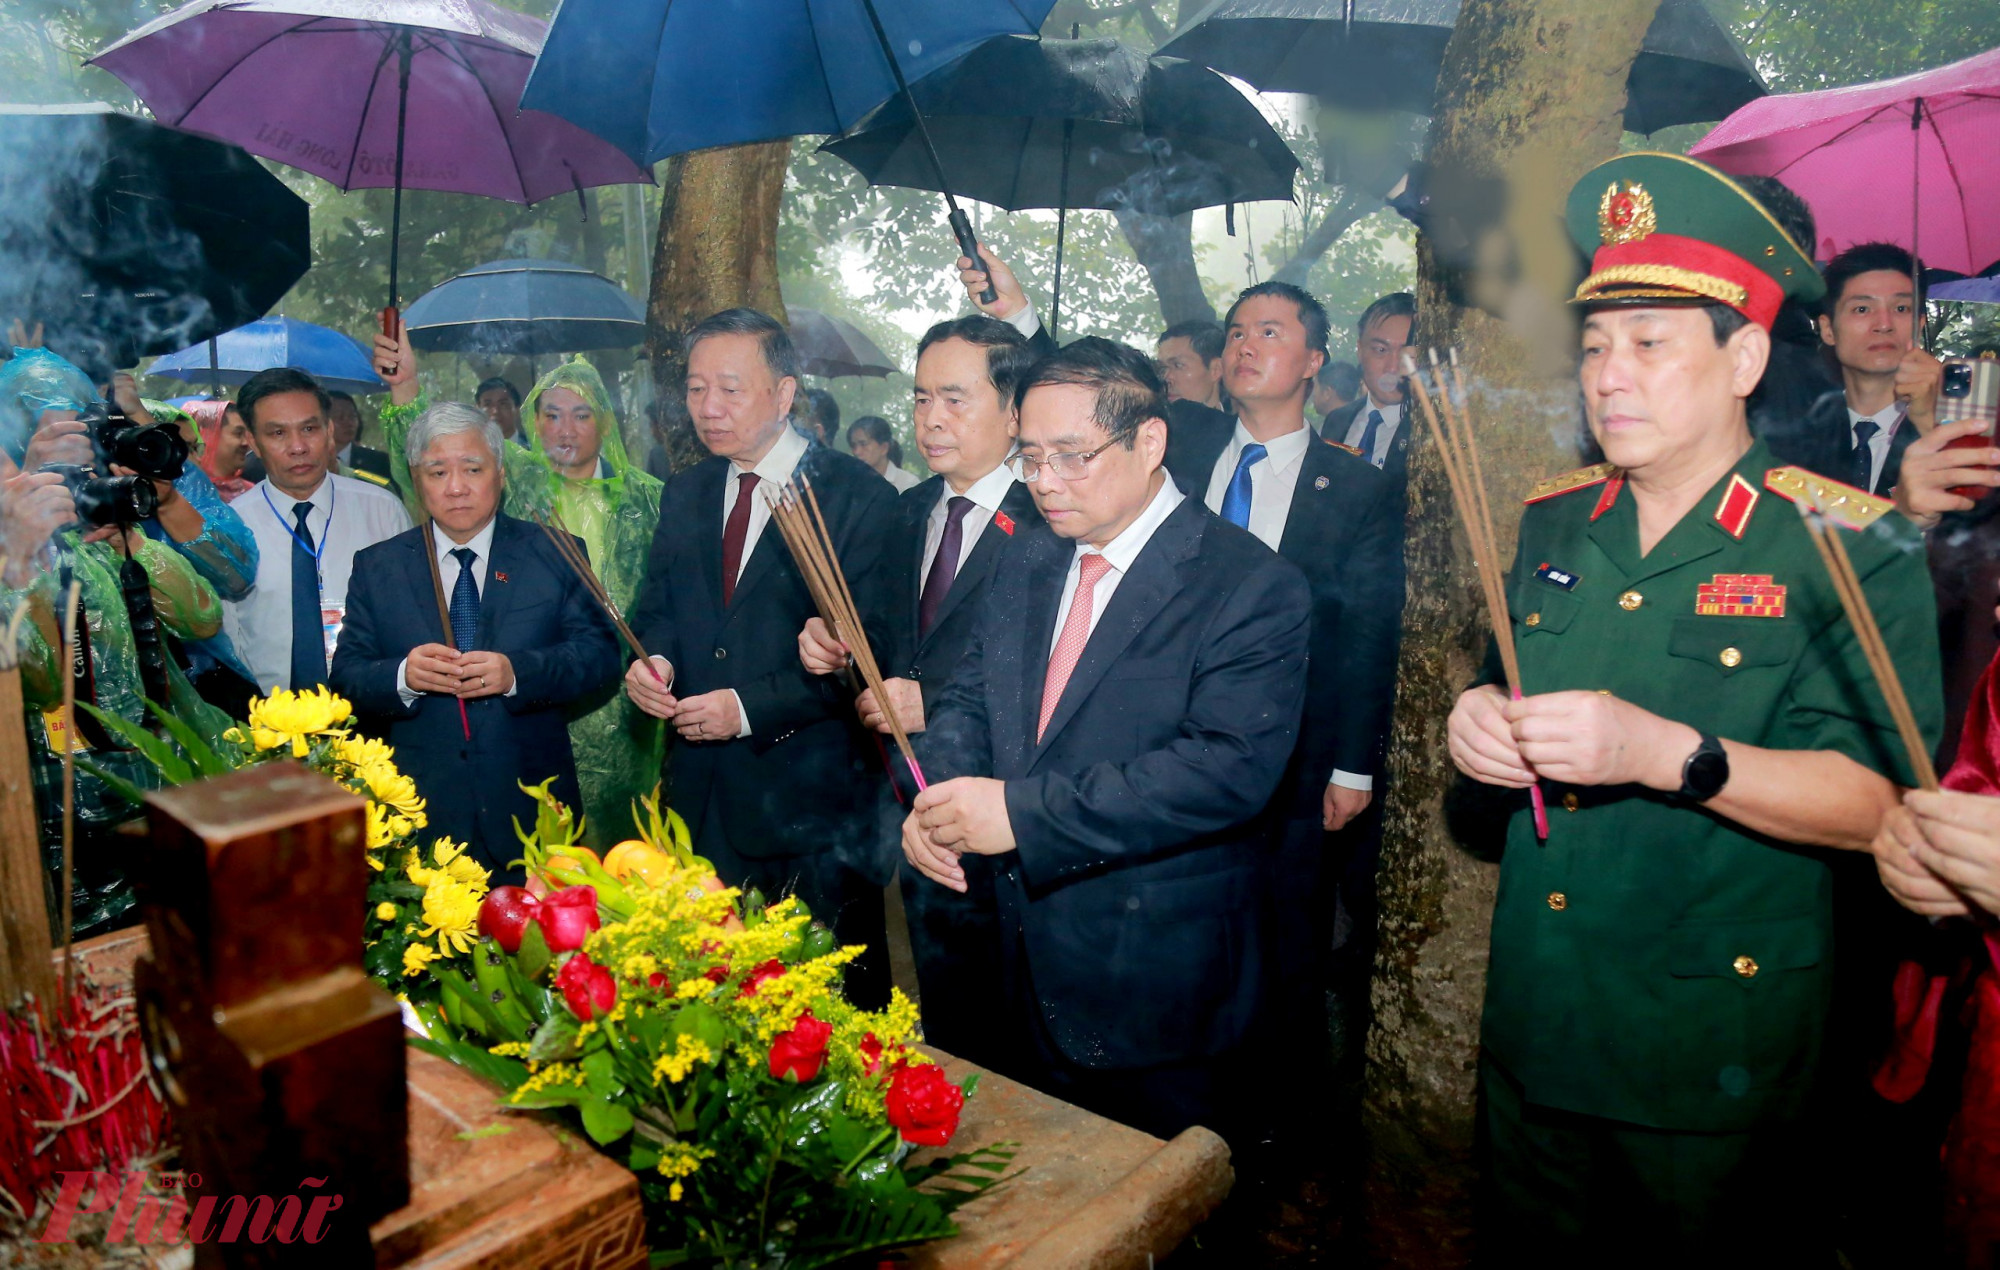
(332, 492)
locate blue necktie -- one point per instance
(1861, 459)
(308, 633)
(1236, 499)
(1368, 436)
(464, 600)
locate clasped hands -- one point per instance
(711, 716)
(1938, 853)
(1577, 738)
(447, 672)
(968, 813)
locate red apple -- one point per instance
(505, 913)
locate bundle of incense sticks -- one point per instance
(566, 546)
(795, 510)
(444, 619)
(1460, 452)
(1826, 537)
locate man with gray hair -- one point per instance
(467, 639)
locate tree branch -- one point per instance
(1348, 207)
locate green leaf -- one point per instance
(600, 1073)
(551, 1096)
(470, 996)
(173, 769)
(206, 761)
(508, 1073)
(606, 1121)
(534, 954)
(644, 1156)
(703, 1022)
(555, 1039)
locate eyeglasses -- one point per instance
(1067, 466)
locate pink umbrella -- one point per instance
(418, 94)
(1913, 160)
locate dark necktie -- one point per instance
(464, 600)
(1236, 499)
(308, 633)
(944, 565)
(1861, 463)
(1368, 436)
(733, 534)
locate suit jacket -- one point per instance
(1825, 443)
(1345, 533)
(930, 658)
(1334, 428)
(535, 610)
(804, 780)
(1138, 817)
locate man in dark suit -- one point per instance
(1339, 519)
(1374, 422)
(356, 459)
(526, 640)
(772, 769)
(949, 536)
(1112, 738)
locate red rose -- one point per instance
(923, 1105)
(568, 917)
(757, 977)
(656, 980)
(716, 974)
(587, 988)
(801, 1052)
(505, 913)
(872, 1051)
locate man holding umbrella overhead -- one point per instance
(573, 467)
(1704, 725)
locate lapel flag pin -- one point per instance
(1005, 522)
(500, 577)
(1321, 482)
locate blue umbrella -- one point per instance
(1968, 291)
(525, 308)
(657, 78)
(233, 357)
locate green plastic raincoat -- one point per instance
(618, 747)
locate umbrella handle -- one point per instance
(961, 226)
(392, 325)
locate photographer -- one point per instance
(40, 423)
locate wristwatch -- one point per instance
(1706, 770)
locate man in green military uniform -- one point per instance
(1705, 730)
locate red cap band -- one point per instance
(1689, 265)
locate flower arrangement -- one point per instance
(423, 899)
(695, 1032)
(700, 1036)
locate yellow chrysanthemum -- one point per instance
(387, 785)
(385, 912)
(289, 718)
(416, 957)
(386, 826)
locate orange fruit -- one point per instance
(632, 856)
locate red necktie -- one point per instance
(1075, 634)
(733, 534)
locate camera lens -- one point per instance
(155, 450)
(1957, 379)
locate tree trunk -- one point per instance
(1165, 246)
(717, 249)
(1532, 90)
(1348, 208)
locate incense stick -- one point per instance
(72, 613)
(796, 511)
(1868, 633)
(1459, 452)
(444, 615)
(565, 545)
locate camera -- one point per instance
(107, 500)
(156, 451)
(1970, 391)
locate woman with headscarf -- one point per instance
(573, 469)
(225, 444)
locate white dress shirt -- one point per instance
(449, 568)
(1886, 421)
(1272, 485)
(987, 493)
(773, 470)
(1121, 552)
(1385, 436)
(1272, 479)
(900, 478)
(347, 515)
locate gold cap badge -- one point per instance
(1625, 216)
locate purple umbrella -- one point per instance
(429, 100)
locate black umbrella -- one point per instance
(1058, 124)
(525, 308)
(832, 347)
(127, 239)
(1386, 53)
